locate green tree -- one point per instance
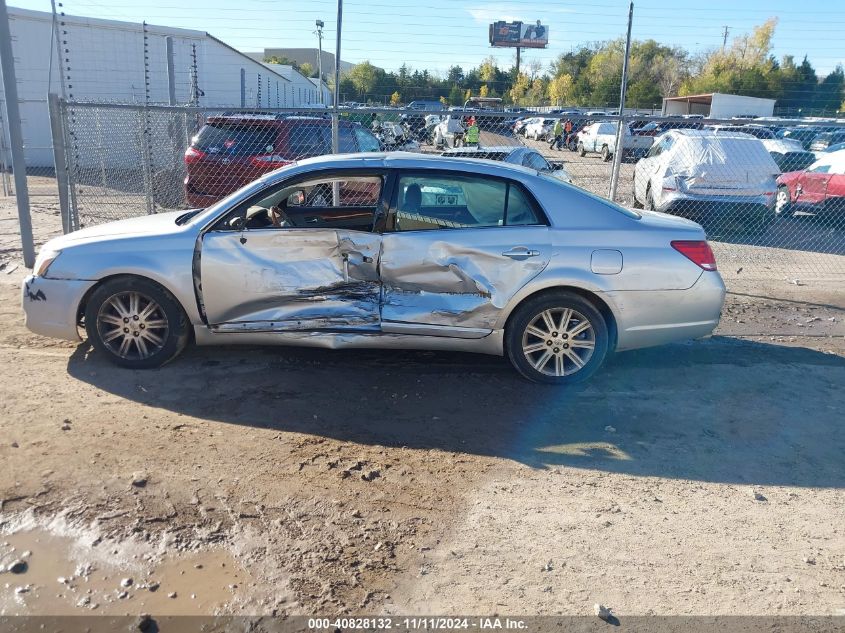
(363, 77)
(830, 91)
(307, 70)
(456, 75)
(395, 99)
(456, 95)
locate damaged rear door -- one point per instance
(456, 249)
(315, 268)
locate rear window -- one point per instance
(236, 140)
(315, 140)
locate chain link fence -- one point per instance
(771, 197)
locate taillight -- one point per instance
(193, 155)
(698, 252)
(271, 160)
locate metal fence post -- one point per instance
(13, 117)
(60, 159)
(620, 136)
(146, 160)
(171, 72)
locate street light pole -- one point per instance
(320, 58)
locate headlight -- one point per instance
(42, 263)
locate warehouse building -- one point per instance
(104, 61)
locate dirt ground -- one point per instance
(699, 478)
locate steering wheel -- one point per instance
(278, 216)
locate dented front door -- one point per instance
(458, 278)
(290, 279)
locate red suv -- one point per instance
(230, 151)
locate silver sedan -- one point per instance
(390, 251)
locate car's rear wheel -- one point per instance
(557, 338)
(135, 323)
(783, 202)
(605, 153)
(649, 200)
(581, 151)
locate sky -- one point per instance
(435, 34)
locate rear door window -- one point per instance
(440, 201)
(236, 140)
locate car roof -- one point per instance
(409, 160)
(270, 120)
(494, 149)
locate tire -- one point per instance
(605, 154)
(649, 200)
(145, 342)
(581, 151)
(532, 319)
(783, 202)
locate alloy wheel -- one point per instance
(132, 325)
(559, 341)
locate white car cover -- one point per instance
(720, 161)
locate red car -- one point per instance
(819, 188)
(230, 151)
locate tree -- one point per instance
(560, 89)
(444, 102)
(307, 69)
(484, 91)
(363, 77)
(467, 95)
(456, 75)
(395, 99)
(520, 87)
(456, 95)
(830, 91)
(284, 61)
(488, 71)
(537, 92)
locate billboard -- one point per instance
(522, 34)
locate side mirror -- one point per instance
(238, 223)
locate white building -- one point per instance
(304, 89)
(104, 62)
(718, 106)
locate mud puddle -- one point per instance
(62, 575)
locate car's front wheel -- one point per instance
(135, 323)
(557, 338)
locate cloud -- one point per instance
(490, 13)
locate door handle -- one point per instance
(520, 253)
(312, 220)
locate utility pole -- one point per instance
(620, 136)
(13, 118)
(518, 51)
(320, 57)
(725, 37)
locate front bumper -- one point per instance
(655, 317)
(50, 305)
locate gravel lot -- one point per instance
(702, 478)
